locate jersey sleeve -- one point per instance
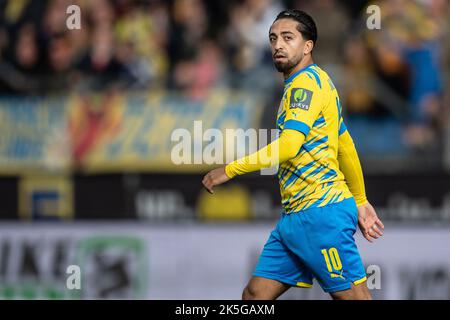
(278, 151)
(351, 168)
(303, 103)
(342, 126)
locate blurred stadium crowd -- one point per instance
(393, 80)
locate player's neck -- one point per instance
(304, 63)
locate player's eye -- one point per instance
(287, 38)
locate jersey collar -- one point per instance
(289, 80)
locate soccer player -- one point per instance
(320, 176)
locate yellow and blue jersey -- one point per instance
(310, 104)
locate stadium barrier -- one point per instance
(409, 199)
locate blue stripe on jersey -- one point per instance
(289, 80)
(311, 144)
(325, 147)
(292, 179)
(299, 196)
(315, 171)
(316, 76)
(284, 171)
(334, 198)
(320, 122)
(281, 119)
(329, 174)
(320, 200)
(297, 173)
(327, 184)
(307, 166)
(297, 125)
(342, 128)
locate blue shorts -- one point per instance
(314, 243)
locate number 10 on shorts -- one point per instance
(333, 256)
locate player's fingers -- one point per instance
(208, 185)
(368, 238)
(209, 188)
(366, 227)
(372, 233)
(365, 233)
(379, 223)
(377, 230)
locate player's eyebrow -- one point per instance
(282, 33)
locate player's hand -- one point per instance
(369, 223)
(214, 178)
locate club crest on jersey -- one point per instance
(300, 98)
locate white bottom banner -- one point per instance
(107, 260)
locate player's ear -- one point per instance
(309, 45)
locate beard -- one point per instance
(285, 67)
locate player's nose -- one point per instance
(278, 46)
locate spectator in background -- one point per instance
(412, 36)
(27, 54)
(54, 18)
(250, 64)
(60, 67)
(14, 14)
(22, 74)
(142, 39)
(250, 57)
(196, 60)
(365, 95)
(3, 44)
(197, 76)
(358, 72)
(188, 29)
(20, 53)
(99, 67)
(80, 41)
(422, 52)
(61, 51)
(101, 13)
